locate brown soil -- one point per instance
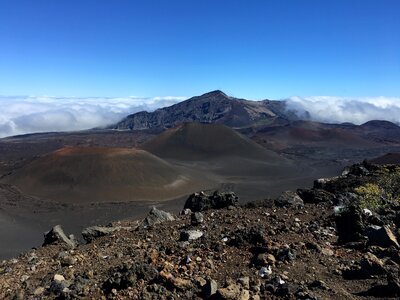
(84, 175)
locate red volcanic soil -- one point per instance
(387, 159)
(194, 141)
(103, 174)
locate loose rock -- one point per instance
(289, 199)
(156, 216)
(57, 236)
(191, 235)
(202, 201)
(381, 236)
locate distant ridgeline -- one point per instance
(213, 107)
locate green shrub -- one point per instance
(370, 196)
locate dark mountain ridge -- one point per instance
(213, 107)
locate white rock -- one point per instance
(367, 212)
(191, 235)
(58, 277)
(265, 271)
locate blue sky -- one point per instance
(252, 49)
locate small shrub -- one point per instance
(370, 196)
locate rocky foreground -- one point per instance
(335, 241)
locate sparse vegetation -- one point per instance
(390, 185)
(370, 196)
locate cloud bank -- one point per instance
(345, 109)
(28, 114)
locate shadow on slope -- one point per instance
(387, 159)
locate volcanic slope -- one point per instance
(104, 175)
(194, 141)
(240, 164)
(311, 134)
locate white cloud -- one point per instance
(29, 114)
(346, 109)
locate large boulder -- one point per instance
(369, 266)
(322, 183)
(350, 224)
(56, 236)
(202, 201)
(315, 196)
(156, 216)
(381, 236)
(289, 199)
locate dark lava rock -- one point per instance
(56, 236)
(349, 224)
(60, 289)
(252, 236)
(126, 276)
(397, 219)
(202, 201)
(289, 199)
(375, 220)
(381, 236)
(80, 286)
(357, 170)
(315, 195)
(367, 267)
(286, 254)
(393, 286)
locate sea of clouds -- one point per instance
(346, 109)
(29, 114)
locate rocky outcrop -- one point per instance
(315, 195)
(289, 199)
(202, 201)
(93, 232)
(381, 236)
(56, 236)
(156, 216)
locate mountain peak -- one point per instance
(215, 93)
(212, 107)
